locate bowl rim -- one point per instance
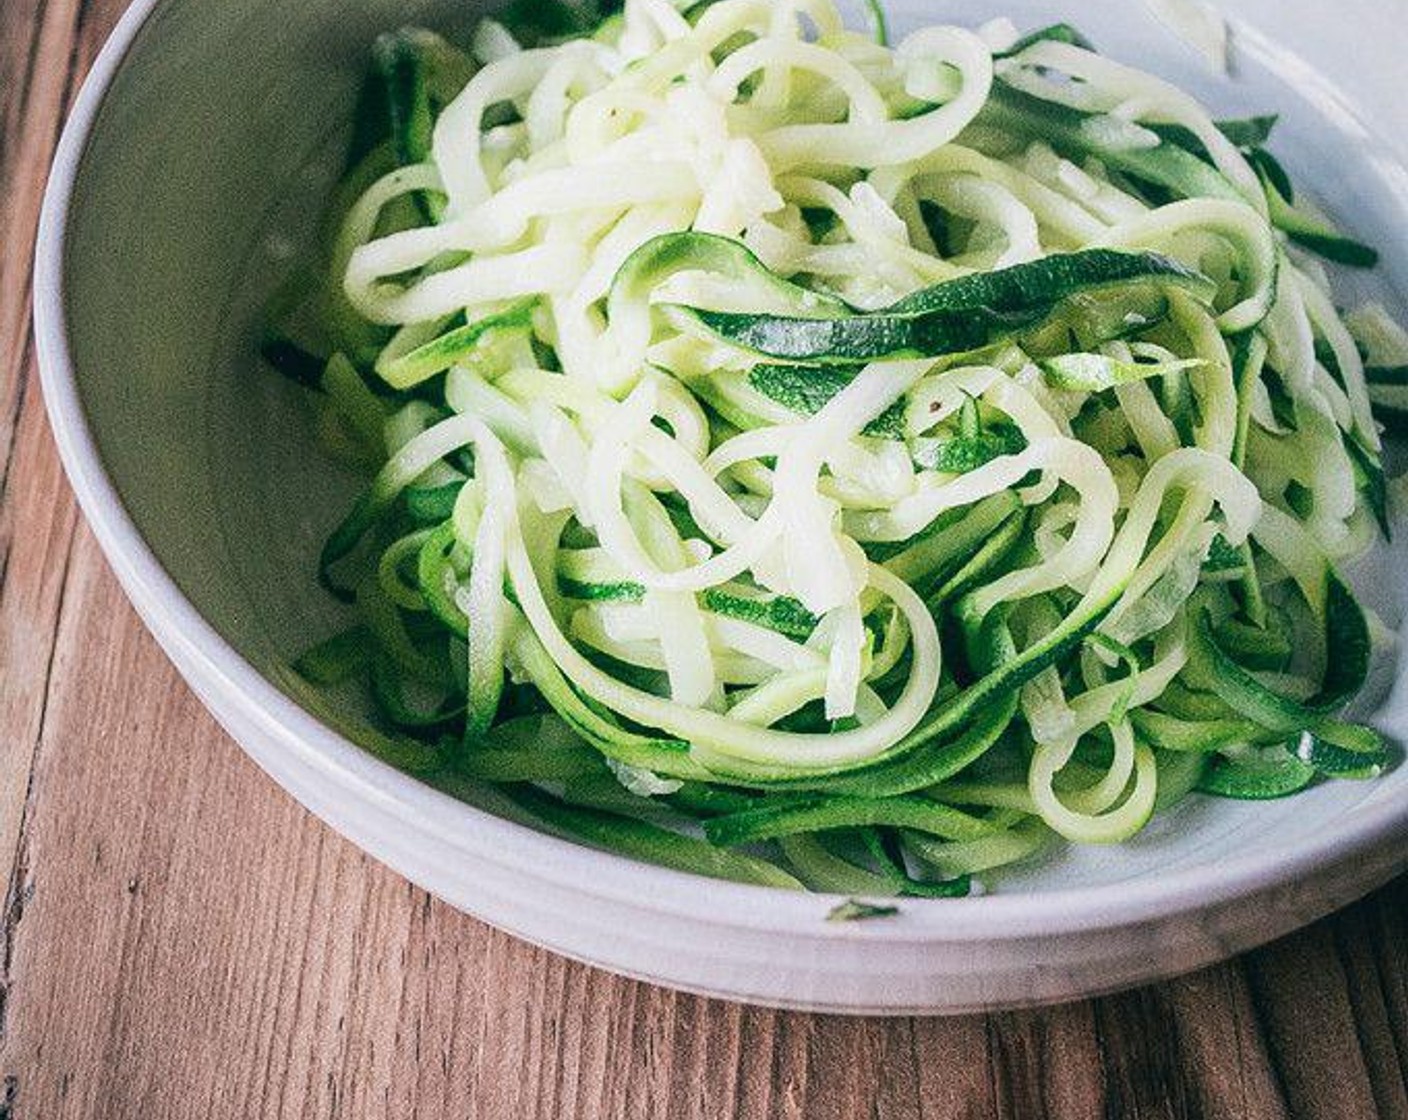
(355, 774)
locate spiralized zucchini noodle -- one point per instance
(818, 462)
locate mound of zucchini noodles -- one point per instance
(816, 462)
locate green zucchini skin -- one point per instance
(454, 346)
(418, 73)
(956, 317)
(1167, 166)
(807, 389)
(1259, 780)
(650, 842)
(1053, 33)
(401, 64)
(1347, 667)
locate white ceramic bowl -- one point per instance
(196, 159)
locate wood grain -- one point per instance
(179, 939)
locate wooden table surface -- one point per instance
(181, 939)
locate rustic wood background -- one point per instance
(180, 939)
